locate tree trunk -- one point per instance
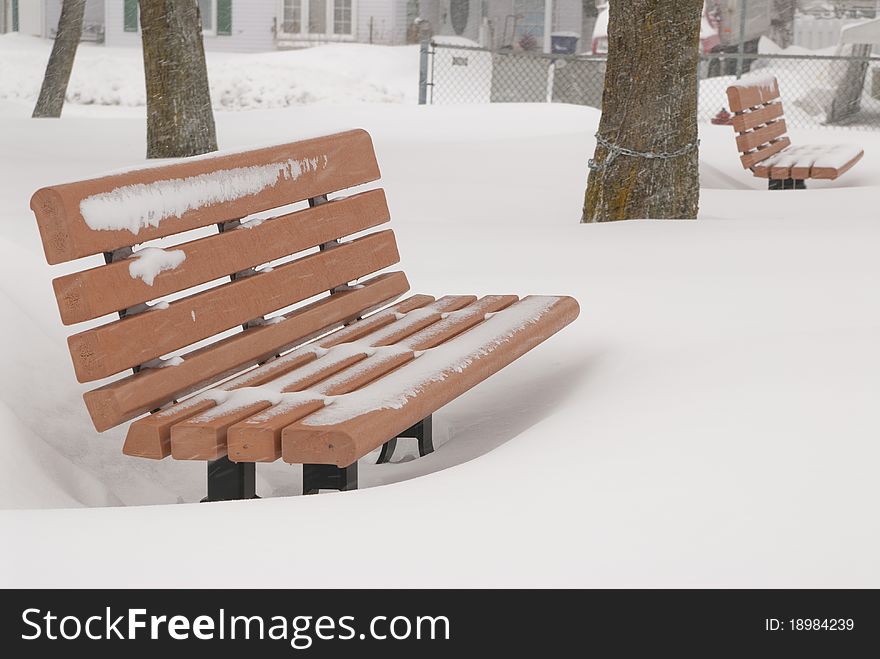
(180, 121)
(649, 106)
(60, 64)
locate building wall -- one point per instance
(253, 28)
(383, 14)
(399, 22)
(93, 15)
(114, 28)
(30, 17)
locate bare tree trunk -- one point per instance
(649, 107)
(60, 64)
(180, 121)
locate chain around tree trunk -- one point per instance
(615, 150)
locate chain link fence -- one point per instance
(818, 90)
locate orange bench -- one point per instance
(765, 147)
(332, 375)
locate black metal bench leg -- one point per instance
(329, 477)
(786, 184)
(387, 451)
(423, 431)
(425, 435)
(230, 481)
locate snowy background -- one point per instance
(709, 420)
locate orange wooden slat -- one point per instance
(761, 136)
(258, 438)
(139, 338)
(342, 443)
(150, 388)
(98, 291)
(204, 437)
(831, 173)
(749, 120)
(232, 186)
(743, 96)
(150, 436)
(752, 158)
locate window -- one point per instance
(342, 17)
(291, 17)
(318, 18)
(130, 16)
(15, 15)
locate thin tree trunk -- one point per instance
(649, 106)
(180, 121)
(60, 64)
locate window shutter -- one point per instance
(15, 15)
(224, 17)
(130, 15)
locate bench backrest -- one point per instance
(219, 291)
(758, 120)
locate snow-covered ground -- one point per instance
(708, 420)
(102, 76)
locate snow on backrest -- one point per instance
(752, 92)
(126, 208)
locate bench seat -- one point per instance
(356, 387)
(806, 161)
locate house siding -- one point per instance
(398, 34)
(93, 15)
(253, 28)
(382, 13)
(30, 18)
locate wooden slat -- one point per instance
(749, 120)
(343, 443)
(151, 388)
(325, 164)
(136, 339)
(743, 97)
(203, 436)
(98, 291)
(150, 436)
(751, 159)
(258, 438)
(831, 173)
(756, 138)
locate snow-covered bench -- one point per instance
(322, 384)
(766, 149)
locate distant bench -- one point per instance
(322, 384)
(765, 147)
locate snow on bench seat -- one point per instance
(817, 161)
(355, 424)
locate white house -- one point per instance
(264, 25)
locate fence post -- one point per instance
(742, 38)
(424, 49)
